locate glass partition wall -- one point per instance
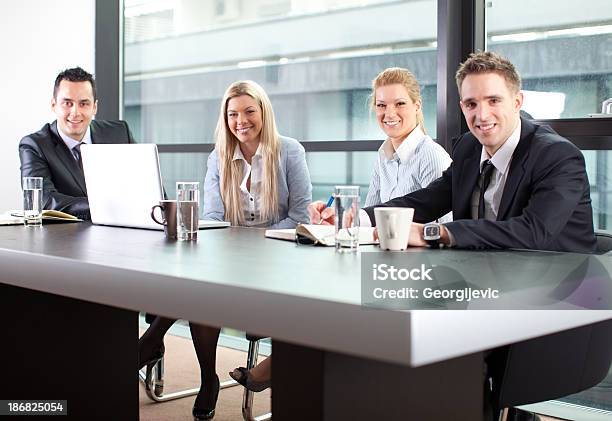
(316, 60)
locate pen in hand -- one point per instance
(329, 203)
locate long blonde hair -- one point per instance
(404, 77)
(230, 171)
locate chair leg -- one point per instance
(516, 414)
(153, 380)
(247, 400)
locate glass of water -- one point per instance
(32, 201)
(187, 210)
(346, 203)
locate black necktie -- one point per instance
(485, 179)
(77, 152)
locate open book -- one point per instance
(49, 215)
(319, 234)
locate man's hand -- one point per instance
(416, 235)
(320, 214)
(415, 238)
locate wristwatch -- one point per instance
(431, 234)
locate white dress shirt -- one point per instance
(493, 194)
(501, 165)
(71, 143)
(251, 199)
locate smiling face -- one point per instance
(74, 106)
(244, 119)
(396, 113)
(491, 108)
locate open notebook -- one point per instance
(48, 215)
(319, 234)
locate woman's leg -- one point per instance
(263, 371)
(258, 378)
(205, 343)
(151, 343)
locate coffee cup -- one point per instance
(168, 213)
(393, 226)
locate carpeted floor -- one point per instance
(182, 372)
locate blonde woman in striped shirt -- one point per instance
(408, 159)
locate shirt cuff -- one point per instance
(451, 237)
(364, 219)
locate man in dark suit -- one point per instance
(512, 183)
(53, 152)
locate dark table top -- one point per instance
(309, 295)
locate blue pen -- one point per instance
(329, 203)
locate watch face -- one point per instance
(431, 232)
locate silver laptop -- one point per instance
(124, 183)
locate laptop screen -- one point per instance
(123, 183)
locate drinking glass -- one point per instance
(187, 210)
(32, 201)
(346, 203)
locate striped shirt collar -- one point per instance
(406, 149)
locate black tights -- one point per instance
(205, 343)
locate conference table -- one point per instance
(70, 295)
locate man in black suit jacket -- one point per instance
(535, 191)
(53, 152)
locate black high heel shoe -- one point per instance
(200, 414)
(149, 357)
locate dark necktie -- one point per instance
(77, 152)
(485, 179)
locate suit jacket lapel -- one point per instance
(467, 182)
(67, 159)
(517, 168)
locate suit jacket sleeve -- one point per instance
(33, 164)
(429, 203)
(557, 184)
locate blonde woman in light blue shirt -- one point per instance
(408, 159)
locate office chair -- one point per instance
(554, 366)
(604, 242)
(153, 380)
